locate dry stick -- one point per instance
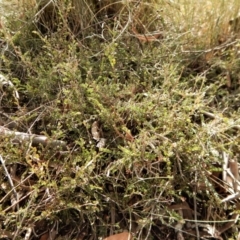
(36, 139)
(150, 227)
(28, 234)
(43, 7)
(233, 168)
(23, 218)
(25, 196)
(225, 166)
(222, 46)
(231, 197)
(19, 184)
(211, 115)
(179, 164)
(9, 178)
(228, 225)
(234, 219)
(195, 206)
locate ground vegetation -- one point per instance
(120, 115)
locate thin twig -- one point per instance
(195, 206)
(211, 115)
(231, 197)
(225, 45)
(9, 178)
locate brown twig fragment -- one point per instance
(35, 139)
